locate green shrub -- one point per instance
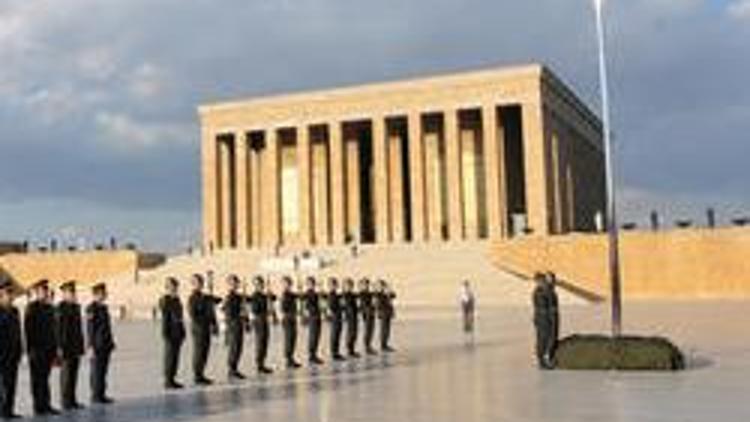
(628, 353)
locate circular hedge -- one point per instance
(627, 353)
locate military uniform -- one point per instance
(261, 309)
(351, 312)
(11, 349)
(386, 312)
(102, 344)
(236, 324)
(311, 300)
(70, 338)
(368, 318)
(543, 323)
(289, 310)
(336, 319)
(554, 313)
(41, 348)
(173, 334)
(203, 326)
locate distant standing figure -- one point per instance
(11, 350)
(367, 306)
(554, 312)
(351, 312)
(311, 300)
(289, 311)
(172, 331)
(101, 343)
(386, 312)
(203, 325)
(70, 337)
(335, 317)
(260, 305)
(468, 306)
(543, 321)
(236, 324)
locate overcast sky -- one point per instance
(98, 130)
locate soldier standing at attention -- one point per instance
(236, 321)
(172, 331)
(259, 306)
(41, 346)
(351, 311)
(11, 349)
(70, 338)
(202, 326)
(368, 314)
(101, 343)
(311, 300)
(335, 317)
(542, 321)
(289, 310)
(554, 313)
(386, 311)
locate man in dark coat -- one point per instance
(289, 311)
(386, 311)
(554, 313)
(11, 349)
(335, 317)
(543, 322)
(70, 339)
(313, 318)
(351, 312)
(261, 307)
(367, 305)
(41, 346)
(203, 326)
(172, 331)
(235, 316)
(101, 343)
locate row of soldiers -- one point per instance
(54, 336)
(255, 312)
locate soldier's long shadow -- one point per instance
(222, 399)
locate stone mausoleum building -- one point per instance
(485, 154)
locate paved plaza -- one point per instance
(439, 375)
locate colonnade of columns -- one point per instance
(419, 176)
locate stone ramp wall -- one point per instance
(676, 264)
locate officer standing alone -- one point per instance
(289, 311)
(70, 338)
(311, 300)
(101, 343)
(172, 331)
(41, 346)
(386, 311)
(203, 325)
(543, 322)
(11, 350)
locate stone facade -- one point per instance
(475, 155)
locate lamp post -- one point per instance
(612, 229)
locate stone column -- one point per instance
(272, 202)
(396, 186)
(242, 189)
(339, 201)
(494, 166)
(305, 186)
(353, 212)
(417, 179)
(225, 181)
(453, 168)
(321, 194)
(535, 164)
(209, 171)
(381, 184)
(470, 166)
(433, 187)
(257, 195)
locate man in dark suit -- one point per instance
(172, 331)
(335, 317)
(313, 318)
(235, 316)
(41, 346)
(351, 312)
(203, 326)
(101, 343)
(70, 339)
(289, 311)
(11, 349)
